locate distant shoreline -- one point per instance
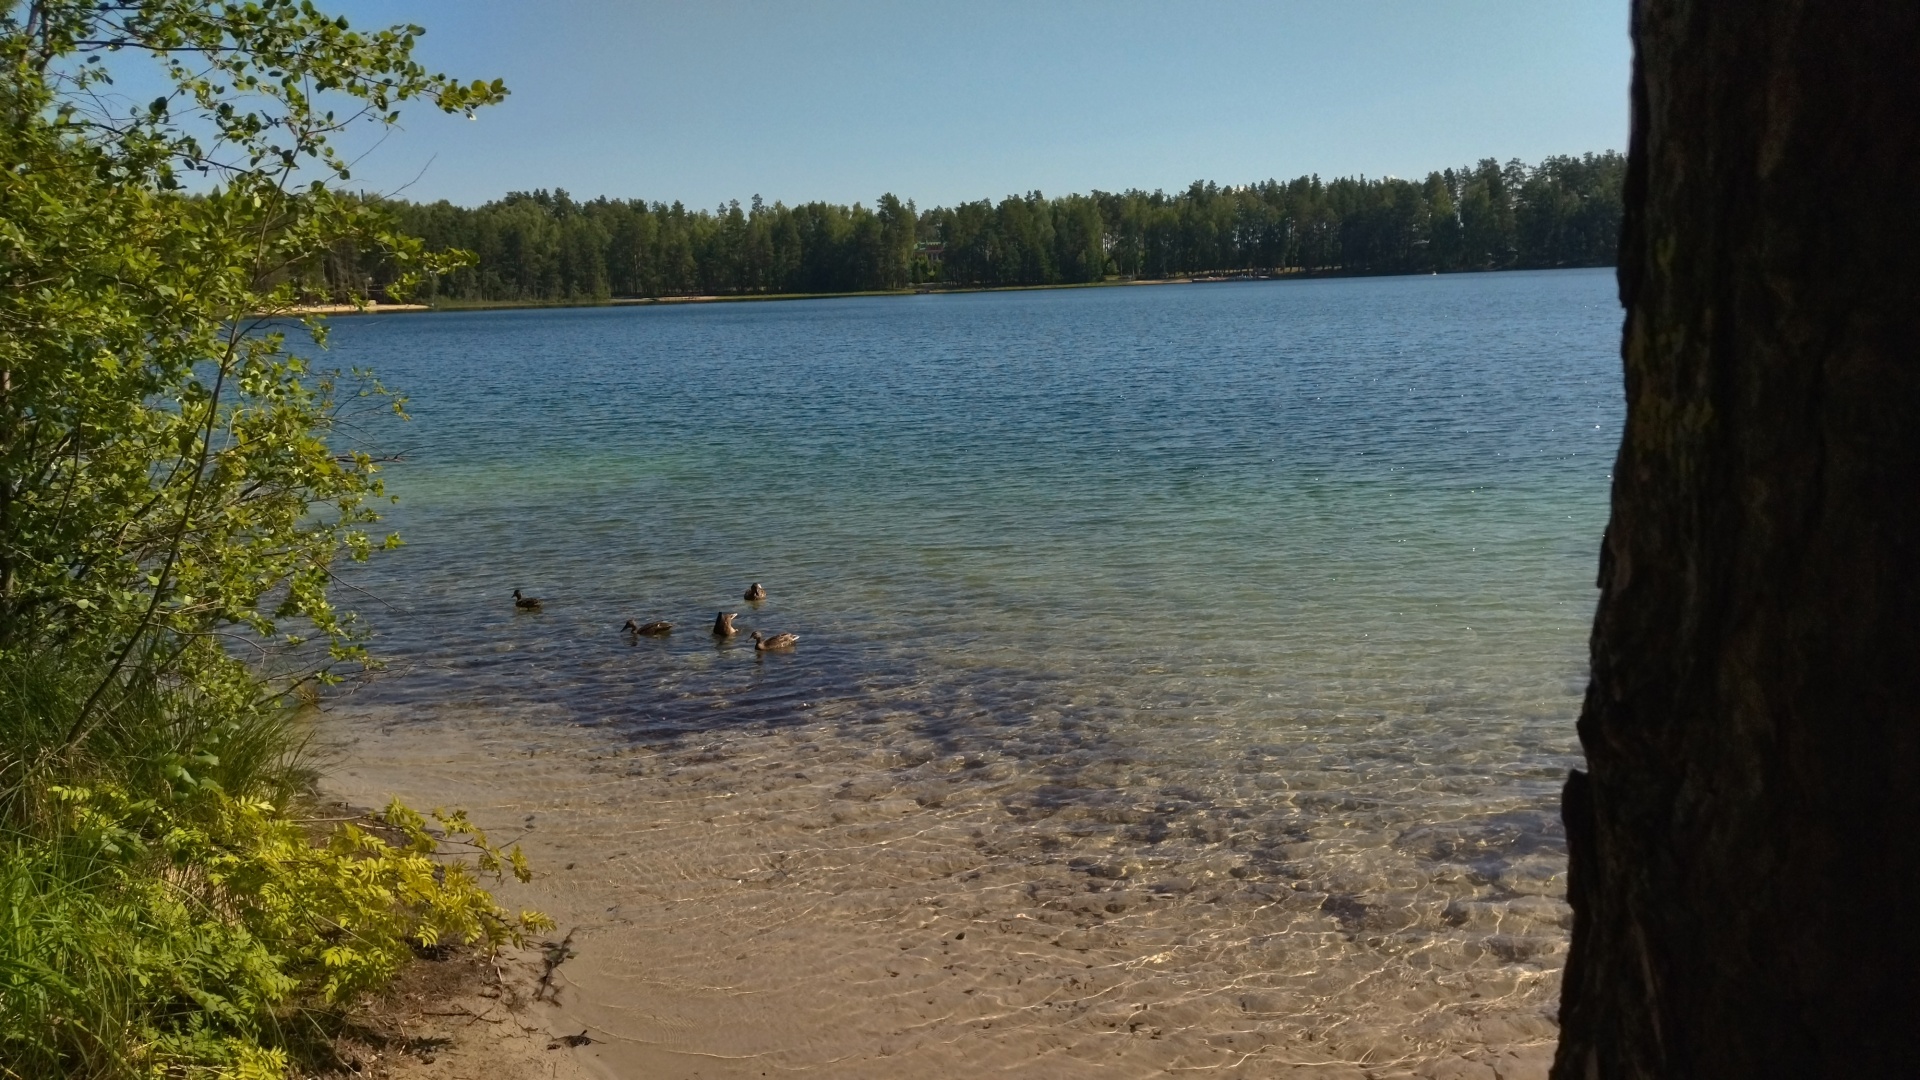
(734, 298)
(342, 309)
(927, 290)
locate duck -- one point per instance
(777, 641)
(526, 603)
(755, 593)
(652, 629)
(723, 623)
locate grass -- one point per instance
(164, 911)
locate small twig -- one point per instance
(555, 956)
(472, 1017)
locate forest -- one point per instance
(545, 246)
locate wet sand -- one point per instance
(796, 901)
(460, 1017)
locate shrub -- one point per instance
(165, 909)
(176, 487)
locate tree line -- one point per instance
(547, 246)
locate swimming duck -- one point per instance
(652, 629)
(777, 641)
(526, 603)
(755, 593)
(723, 623)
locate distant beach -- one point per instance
(345, 309)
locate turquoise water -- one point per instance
(1312, 562)
(1246, 504)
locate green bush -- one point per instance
(176, 487)
(165, 910)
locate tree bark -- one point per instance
(1745, 842)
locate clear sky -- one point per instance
(942, 102)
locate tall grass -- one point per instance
(155, 737)
(112, 962)
(163, 911)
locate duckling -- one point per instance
(526, 603)
(777, 641)
(652, 629)
(723, 623)
(755, 593)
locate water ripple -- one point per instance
(1266, 600)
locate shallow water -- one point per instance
(1238, 626)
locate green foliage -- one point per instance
(164, 910)
(545, 246)
(149, 941)
(106, 971)
(176, 486)
(161, 454)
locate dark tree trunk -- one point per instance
(1745, 845)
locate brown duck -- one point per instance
(526, 603)
(777, 641)
(723, 623)
(652, 629)
(755, 593)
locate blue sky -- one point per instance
(708, 101)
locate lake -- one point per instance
(1231, 635)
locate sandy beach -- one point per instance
(776, 906)
(345, 309)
